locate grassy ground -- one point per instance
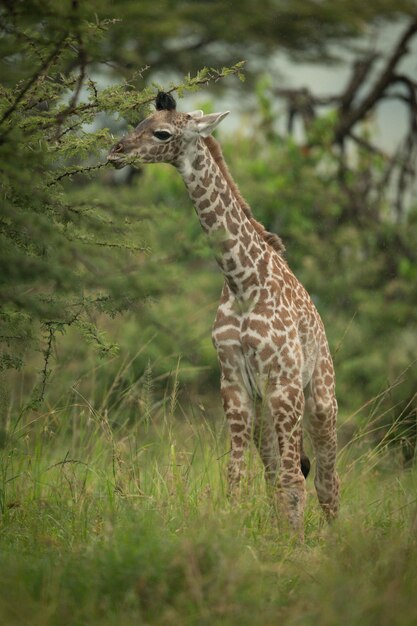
(131, 525)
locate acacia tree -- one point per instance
(367, 87)
(62, 261)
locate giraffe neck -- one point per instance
(241, 253)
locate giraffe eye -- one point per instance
(163, 135)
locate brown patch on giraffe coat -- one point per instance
(254, 249)
(262, 267)
(326, 367)
(266, 352)
(199, 191)
(232, 226)
(219, 183)
(285, 317)
(328, 380)
(231, 401)
(287, 292)
(228, 334)
(222, 319)
(244, 259)
(287, 359)
(287, 464)
(279, 340)
(206, 180)
(292, 334)
(249, 281)
(230, 265)
(262, 328)
(237, 427)
(219, 209)
(249, 342)
(199, 162)
(228, 244)
(232, 284)
(204, 204)
(226, 197)
(210, 218)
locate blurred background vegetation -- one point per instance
(108, 287)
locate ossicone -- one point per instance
(165, 102)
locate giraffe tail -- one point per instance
(305, 464)
(305, 461)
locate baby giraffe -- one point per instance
(271, 344)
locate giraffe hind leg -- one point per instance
(286, 403)
(321, 416)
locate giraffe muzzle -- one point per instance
(117, 155)
(116, 160)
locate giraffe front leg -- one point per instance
(238, 408)
(287, 406)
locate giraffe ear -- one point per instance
(197, 113)
(207, 123)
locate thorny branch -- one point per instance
(51, 327)
(213, 75)
(78, 170)
(47, 353)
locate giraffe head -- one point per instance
(165, 136)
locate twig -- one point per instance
(385, 79)
(47, 354)
(360, 72)
(339, 345)
(80, 170)
(68, 130)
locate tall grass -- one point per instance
(105, 522)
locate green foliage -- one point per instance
(63, 260)
(183, 37)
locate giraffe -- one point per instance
(270, 340)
